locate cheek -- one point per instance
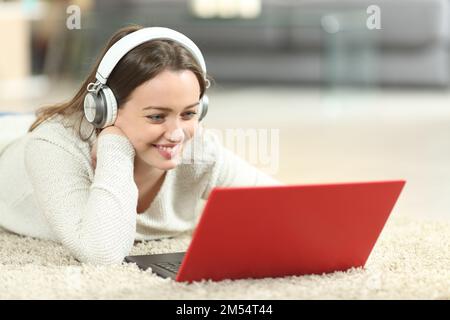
(191, 133)
(141, 138)
(191, 130)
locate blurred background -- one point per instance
(358, 89)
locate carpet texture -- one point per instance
(411, 260)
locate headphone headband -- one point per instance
(132, 40)
(100, 105)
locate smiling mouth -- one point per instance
(165, 148)
(167, 152)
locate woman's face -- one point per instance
(161, 112)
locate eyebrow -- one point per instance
(168, 109)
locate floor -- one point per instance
(327, 135)
(409, 261)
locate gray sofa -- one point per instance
(291, 41)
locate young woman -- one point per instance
(97, 188)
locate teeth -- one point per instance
(165, 148)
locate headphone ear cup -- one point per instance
(110, 104)
(94, 108)
(204, 107)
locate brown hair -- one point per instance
(139, 65)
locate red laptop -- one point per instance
(276, 231)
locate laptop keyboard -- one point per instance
(170, 266)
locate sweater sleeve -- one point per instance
(95, 221)
(230, 170)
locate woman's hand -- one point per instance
(112, 130)
(107, 130)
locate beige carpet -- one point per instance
(410, 261)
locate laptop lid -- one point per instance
(271, 231)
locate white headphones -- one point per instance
(100, 105)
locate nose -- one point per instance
(175, 133)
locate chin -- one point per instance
(165, 165)
(162, 164)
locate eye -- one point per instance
(189, 114)
(156, 117)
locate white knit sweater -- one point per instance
(49, 189)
